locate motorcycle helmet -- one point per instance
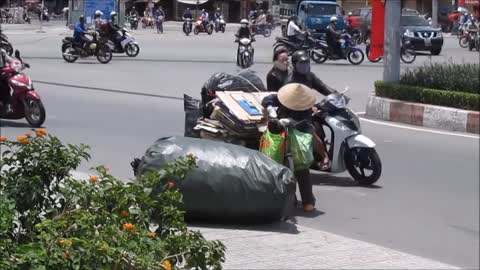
(98, 13)
(81, 19)
(333, 19)
(350, 13)
(301, 62)
(113, 14)
(244, 23)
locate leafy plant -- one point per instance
(452, 77)
(97, 223)
(461, 100)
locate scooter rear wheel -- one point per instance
(35, 112)
(68, 55)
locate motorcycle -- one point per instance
(245, 52)
(24, 102)
(324, 52)
(220, 25)
(307, 44)
(407, 51)
(71, 50)
(128, 44)
(148, 22)
(263, 29)
(187, 26)
(200, 28)
(474, 40)
(134, 22)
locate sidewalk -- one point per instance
(289, 246)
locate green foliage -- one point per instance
(452, 77)
(49, 220)
(455, 99)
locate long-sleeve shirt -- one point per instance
(312, 81)
(79, 31)
(284, 112)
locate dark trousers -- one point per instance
(294, 39)
(337, 48)
(305, 186)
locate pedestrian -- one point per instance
(295, 101)
(159, 18)
(278, 75)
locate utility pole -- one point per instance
(41, 18)
(391, 53)
(435, 13)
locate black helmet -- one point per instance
(81, 19)
(300, 56)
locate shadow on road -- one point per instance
(13, 124)
(321, 179)
(279, 227)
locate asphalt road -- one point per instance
(426, 202)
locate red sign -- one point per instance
(472, 2)
(377, 29)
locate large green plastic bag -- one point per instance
(301, 146)
(231, 182)
(273, 145)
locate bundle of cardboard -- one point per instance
(236, 114)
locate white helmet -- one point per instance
(349, 14)
(113, 13)
(333, 19)
(244, 21)
(98, 13)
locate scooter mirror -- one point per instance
(17, 54)
(346, 90)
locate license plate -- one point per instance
(428, 42)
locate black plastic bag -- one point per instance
(193, 112)
(231, 182)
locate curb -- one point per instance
(424, 115)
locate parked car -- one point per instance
(421, 34)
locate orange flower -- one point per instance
(28, 134)
(106, 168)
(152, 234)
(3, 139)
(23, 139)
(66, 255)
(93, 179)
(41, 132)
(170, 184)
(128, 227)
(167, 265)
(124, 213)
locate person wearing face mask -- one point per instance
(278, 75)
(243, 32)
(302, 74)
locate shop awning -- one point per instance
(193, 2)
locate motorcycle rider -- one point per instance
(4, 87)
(187, 15)
(159, 16)
(333, 37)
(293, 30)
(80, 32)
(113, 29)
(243, 32)
(204, 18)
(216, 18)
(98, 20)
(302, 74)
(134, 12)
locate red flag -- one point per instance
(377, 29)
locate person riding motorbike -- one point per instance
(113, 29)
(4, 87)
(295, 101)
(302, 74)
(134, 12)
(333, 37)
(80, 32)
(205, 18)
(293, 30)
(216, 18)
(187, 14)
(97, 20)
(243, 32)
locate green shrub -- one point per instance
(50, 221)
(460, 100)
(452, 77)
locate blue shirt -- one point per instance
(79, 30)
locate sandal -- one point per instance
(325, 165)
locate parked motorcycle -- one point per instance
(350, 52)
(187, 26)
(5, 44)
(245, 52)
(128, 44)
(25, 101)
(71, 50)
(134, 22)
(220, 25)
(200, 28)
(148, 22)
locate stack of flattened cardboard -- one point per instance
(236, 114)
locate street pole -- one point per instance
(435, 13)
(391, 54)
